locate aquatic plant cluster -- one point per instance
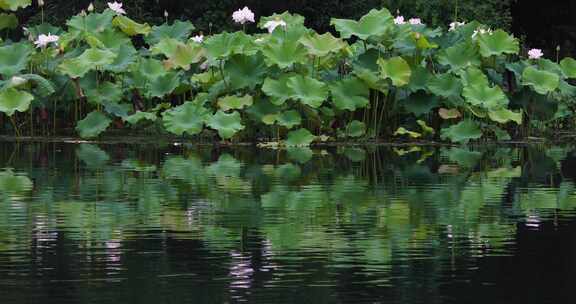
(383, 76)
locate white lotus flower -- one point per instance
(243, 16)
(399, 20)
(17, 81)
(415, 21)
(535, 54)
(454, 25)
(481, 31)
(273, 24)
(44, 40)
(117, 7)
(91, 7)
(198, 38)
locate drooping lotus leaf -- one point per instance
(403, 131)
(355, 129)
(350, 94)
(14, 5)
(73, 68)
(139, 116)
(234, 102)
(322, 45)
(179, 30)
(498, 43)
(568, 66)
(397, 69)
(186, 118)
(93, 124)
(299, 138)
(566, 89)
(89, 60)
(425, 128)
(106, 92)
(245, 71)
(485, 96)
(111, 38)
(224, 45)
(460, 56)
(125, 56)
(179, 54)
(92, 22)
(278, 90)
(42, 86)
(118, 109)
(12, 100)
(14, 58)
(374, 23)
(462, 132)
(227, 124)
(8, 21)
(504, 115)
(449, 113)
(164, 85)
(550, 66)
(543, 82)
(419, 79)
(14, 183)
(445, 85)
(308, 90)
(371, 79)
(289, 119)
(284, 52)
(131, 27)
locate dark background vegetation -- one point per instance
(540, 24)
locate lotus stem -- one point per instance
(18, 134)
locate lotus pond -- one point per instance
(124, 223)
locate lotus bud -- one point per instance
(91, 7)
(165, 14)
(17, 81)
(558, 48)
(40, 3)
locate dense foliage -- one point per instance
(382, 77)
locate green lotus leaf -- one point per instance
(473, 76)
(300, 154)
(542, 82)
(227, 124)
(289, 119)
(350, 94)
(445, 85)
(234, 102)
(568, 66)
(125, 56)
(245, 71)
(419, 79)
(263, 111)
(291, 20)
(139, 116)
(550, 66)
(93, 124)
(42, 86)
(425, 128)
(96, 58)
(110, 39)
(14, 183)
(146, 71)
(462, 132)
(498, 43)
(14, 58)
(106, 92)
(308, 90)
(355, 154)
(12, 100)
(164, 85)
(504, 115)
(186, 118)
(131, 27)
(322, 45)
(284, 52)
(371, 79)
(397, 69)
(374, 23)
(179, 30)
(224, 45)
(299, 138)
(8, 21)
(420, 103)
(92, 155)
(45, 28)
(74, 68)
(278, 90)
(92, 22)
(355, 129)
(14, 5)
(179, 54)
(460, 56)
(403, 131)
(485, 96)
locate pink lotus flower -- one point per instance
(117, 7)
(535, 54)
(44, 40)
(415, 21)
(399, 20)
(243, 16)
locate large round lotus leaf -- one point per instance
(187, 118)
(131, 27)
(226, 44)
(308, 90)
(355, 129)
(371, 79)
(374, 23)
(111, 38)
(263, 111)
(106, 92)
(8, 21)
(93, 124)
(139, 116)
(125, 56)
(234, 102)
(542, 82)
(245, 71)
(74, 68)
(504, 115)
(473, 76)
(485, 96)
(350, 94)
(462, 132)
(299, 138)
(284, 52)
(14, 5)
(419, 79)
(445, 85)
(291, 20)
(550, 66)
(148, 70)
(498, 43)
(164, 85)
(179, 54)
(14, 57)
(278, 90)
(227, 124)
(460, 56)
(179, 30)
(96, 57)
(12, 100)
(322, 45)
(289, 119)
(11, 183)
(568, 66)
(420, 103)
(92, 22)
(397, 69)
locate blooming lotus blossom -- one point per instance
(243, 16)
(481, 32)
(535, 54)
(399, 20)
(117, 7)
(454, 25)
(415, 21)
(198, 38)
(273, 24)
(44, 40)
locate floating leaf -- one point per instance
(93, 124)
(308, 90)
(227, 124)
(12, 100)
(235, 102)
(374, 23)
(299, 138)
(186, 118)
(543, 82)
(397, 69)
(350, 94)
(13, 183)
(498, 43)
(462, 132)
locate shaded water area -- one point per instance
(183, 224)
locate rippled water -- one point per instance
(178, 224)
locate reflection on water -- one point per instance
(88, 224)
